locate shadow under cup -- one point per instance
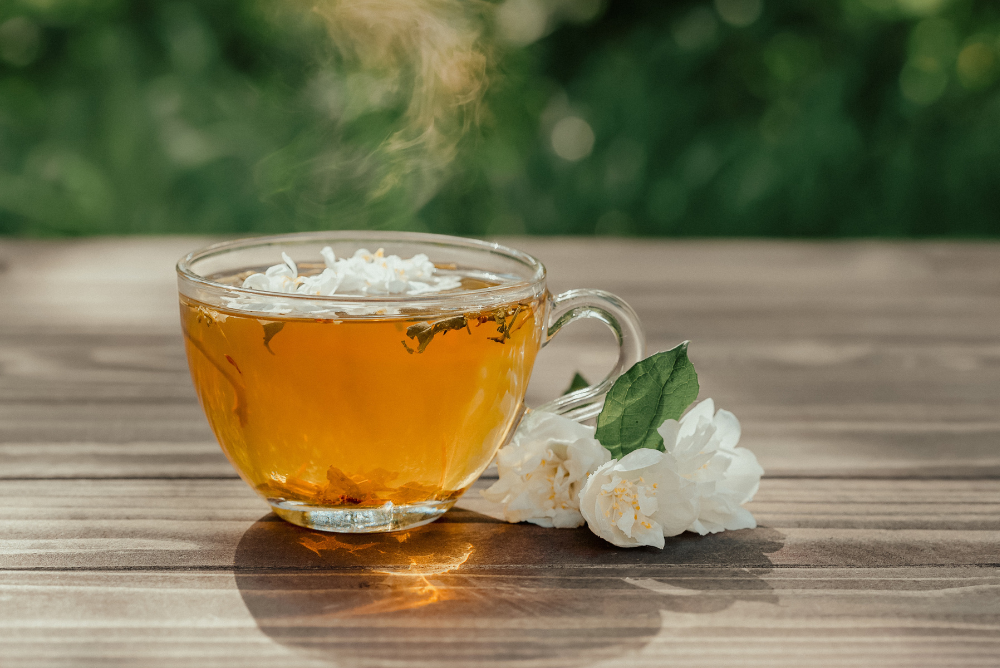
(374, 412)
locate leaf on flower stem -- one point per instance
(578, 383)
(658, 388)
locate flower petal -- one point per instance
(639, 459)
(651, 535)
(704, 410)
(567, 518)
(727, 429)
(669, 431)
(291, 264)
(743, 475)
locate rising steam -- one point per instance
(436, 56)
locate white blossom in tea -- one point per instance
(364, 273)
(543, 468)
(282, 277)
(702, 448)
(638, 500)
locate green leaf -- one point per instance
(578, 383)
(658, 388)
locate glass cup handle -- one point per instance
(616, 314)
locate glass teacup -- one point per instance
(375, 412)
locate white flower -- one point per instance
(543, 468)
(363, 273)
(702, 447)
(699, 483)
(638, 500)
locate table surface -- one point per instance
(866, 376)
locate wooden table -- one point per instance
(866, 375)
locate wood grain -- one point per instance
(866, 375)
(198, 524)
(942, 616)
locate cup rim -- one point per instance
(185, 271)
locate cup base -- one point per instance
(388, 517)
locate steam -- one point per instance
(435, 55)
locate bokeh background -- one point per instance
(840, 118)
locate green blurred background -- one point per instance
(802, 118)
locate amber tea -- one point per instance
(357, 413)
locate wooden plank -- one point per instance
(99, 423)
(99, 285)
(115, 524)
(114, 460)
(681, 617)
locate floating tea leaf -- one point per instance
(424, 332)
(270, 329)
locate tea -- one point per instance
(354, 412)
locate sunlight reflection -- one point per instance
(320, 544)
(407, 586)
